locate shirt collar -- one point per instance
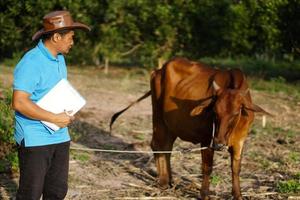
(45, 51)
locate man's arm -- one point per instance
(23, 104)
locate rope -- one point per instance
(145, 152)
(141, 152)
(213, 135)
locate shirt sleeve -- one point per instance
(26, 76)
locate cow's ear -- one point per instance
(256, 108)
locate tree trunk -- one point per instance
(106, 66)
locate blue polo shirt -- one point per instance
(36, 73)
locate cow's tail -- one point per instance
(116, 115)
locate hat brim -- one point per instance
(75, 25)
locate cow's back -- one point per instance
(185, 80)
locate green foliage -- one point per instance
(13, 61)
(6, 118)
(13, 161)
(289, 25)
(141, 31)
(260, 68)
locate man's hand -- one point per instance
(63, 119)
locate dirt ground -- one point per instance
(271, 154)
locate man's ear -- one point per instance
(56, 37)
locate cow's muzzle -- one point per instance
(220, 147)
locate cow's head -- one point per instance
(230, 105)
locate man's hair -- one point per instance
(62, 32)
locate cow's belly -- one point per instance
(192, 129)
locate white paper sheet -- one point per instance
(62, 97)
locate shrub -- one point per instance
(8, 155)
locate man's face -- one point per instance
(65, 43)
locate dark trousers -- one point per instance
(43, 171)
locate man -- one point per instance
(43, 155)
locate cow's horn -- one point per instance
(216, 86)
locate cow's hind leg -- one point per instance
(161, 139)
(161, 142)
(207, 166)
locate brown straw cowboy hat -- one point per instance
(58, 20)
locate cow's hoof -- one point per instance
(238, 198)
(205, 198)
(205, 195)
(163, 185)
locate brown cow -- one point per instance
(189, 100)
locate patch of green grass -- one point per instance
(291, 133)
(276, 85)
(271, 130)
(215, 180)
(265, 163)
(253, 155)
(289, 186)
(294, 156)
(108, 147)
(139, 137)
(82, 157)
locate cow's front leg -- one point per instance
(207, 166)
(236, 157)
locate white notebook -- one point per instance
(62, 97)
